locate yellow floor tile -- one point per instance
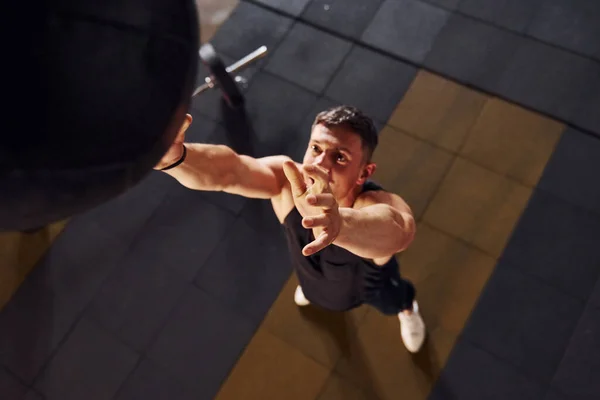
(478, 206)
(271, 369)
(380, 364)
(320, 334)
(19, 253)
(438, 110)
(338, 388)
(449, 277)
(512, 141)
(409, 167)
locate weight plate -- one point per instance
(221, 78)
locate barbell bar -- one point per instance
(221, 76)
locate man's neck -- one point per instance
(348, 201)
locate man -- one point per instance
(343, 231)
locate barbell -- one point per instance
(221, 77)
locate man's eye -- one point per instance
(315, 149)
(341, 158)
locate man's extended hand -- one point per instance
(316, 204)
(175, 152)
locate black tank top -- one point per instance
(333, 278)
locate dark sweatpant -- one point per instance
(387, 291)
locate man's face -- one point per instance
(339, 151)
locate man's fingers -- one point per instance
(323, 200)
(293, 174)
(318, 244)
(180, 138)
(316, 221)
(319, 174)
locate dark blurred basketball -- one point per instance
(93, 94)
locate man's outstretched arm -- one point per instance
(380, 225)
(212, 167)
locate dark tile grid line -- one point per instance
(358, 42)
(261, 66)
(520, 370)
(143, 355)
(560, 291)
(81, 314)
(470, 245)
(456, 154)
(551, 387)
(299, 19)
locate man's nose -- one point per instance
(324, 163)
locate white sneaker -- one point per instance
(412, 329)
(299, 298)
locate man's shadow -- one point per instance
(344, 330)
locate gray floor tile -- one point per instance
(577, 375)
(182, 234)
(275, 109)
(558, 243)
(124, 216)
(151, 382)
(595, 297)
(33, 395)
(510, 14)
(372, 82)
(308, 57)
(546, 79)
(347, 18)
(47, 304)
(572, 171)
(10, 387)
(248, 27)
(136, 300)
(523, 322)
(572, 24)
(587, 115)
(218, 336)
(31, 327)
(406, 28)
(91, 364)
(249, 268)
(293, 7)
(473, 374)
(553, 395)
(472, 52)
(447, 4)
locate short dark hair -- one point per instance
(353, 119)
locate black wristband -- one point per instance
(178, 162)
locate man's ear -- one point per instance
(367, 171)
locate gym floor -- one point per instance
(490, 129)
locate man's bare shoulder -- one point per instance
(373, 197)
(283, 203)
